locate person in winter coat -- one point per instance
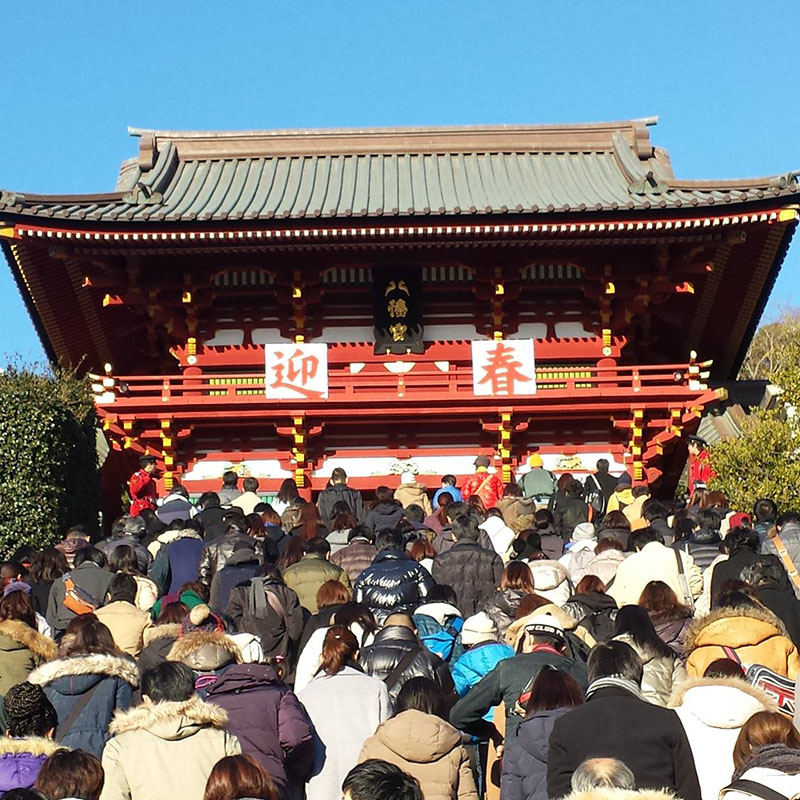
(31, 721)
(22, 647)
(176, 506)
(341, 691)
(571, 511)
(622, 496)
(359, 553)
(210, 516)
(286, 494)
(268, 608)
(515, 584)
(445, 539)
(131, 533)
(396, 655)
(670, 618)
(550, 542)
(158, 639)
(712, 711)
(479, 635)
(542, 644)
(178, 559)
(120, 615)
(411, 492)
(514, 505)
(217, 553)
(656, 515)
(765, 578)
(785, 535)
(311, 572)
(204, 647)
(386, 512)
(420, 741)
(502, 537)
(331, 596)
(552, 695)
(753, 634)
(551, 580)
(240, 567)
(393, 582)
(338, 491)
(165, 748)
(438, 615)
(123, 562)
(485, 485)
(538, 484)
(614, 525)
(662, 669)
(593, 609)
(47, 566)
(652, 561)
(249, 498)
(269, 723)
(703, 543)
(77, 539)
(579, 550)
(616, 722)
(767, 753)
(473, 572)
(87, 684)
(608, 555)
(89, 576)
(343, 523)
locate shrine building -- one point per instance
(285, 302)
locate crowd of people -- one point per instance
(548, 638)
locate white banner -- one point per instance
(296, 371)
(504, 368)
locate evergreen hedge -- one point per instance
(48, 456)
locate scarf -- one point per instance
(773, 756)
(616, 682)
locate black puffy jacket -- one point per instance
(390, 646)
(472, 571)
(392, 583)
(702, 545)
(340, 493)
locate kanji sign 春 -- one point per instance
(504, 368)
(296, 371)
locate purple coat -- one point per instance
(270, 722)
(21, 760)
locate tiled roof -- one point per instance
(197, 176)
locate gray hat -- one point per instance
(483, 461)
(478, 628)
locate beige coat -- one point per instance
(602, 793)
(756, 635)
(127, 625)
(662, 674)
(413, 494)
(428, 748)
(654, 562)
(22, 649)
(165, 751)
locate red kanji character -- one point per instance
(502, 370)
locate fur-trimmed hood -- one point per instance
(34, 745)
(720, 702)
(95, 664)
(16, 632)
(621, 794)
(170, 630)
(734, 627)
(205, 651)
(517, 628)
(169, 720)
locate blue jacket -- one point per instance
(476, 662)
(452, 491)
(525, 762)
(184, 560)
(111, 679)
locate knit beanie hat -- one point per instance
(583, 532)
(201, 619)
(16, 586)
(535, 461)
(478, 628)
(28, 711)
(624, 480)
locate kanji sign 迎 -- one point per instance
(504, 368)
(296, 371)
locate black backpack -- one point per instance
(600, 624)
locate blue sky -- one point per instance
(720, 75)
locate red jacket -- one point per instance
(143, 492)
(488, 487)
(700, 470)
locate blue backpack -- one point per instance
(441, 642)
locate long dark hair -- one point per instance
(18, 606)
(351, 613)
(123, 559)
(421, 694)
(636, 623)
(660, 602)
(47, 566)
(292, 553)
(86, 635)
(553, 689)
(310, 522)
(288, 491)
